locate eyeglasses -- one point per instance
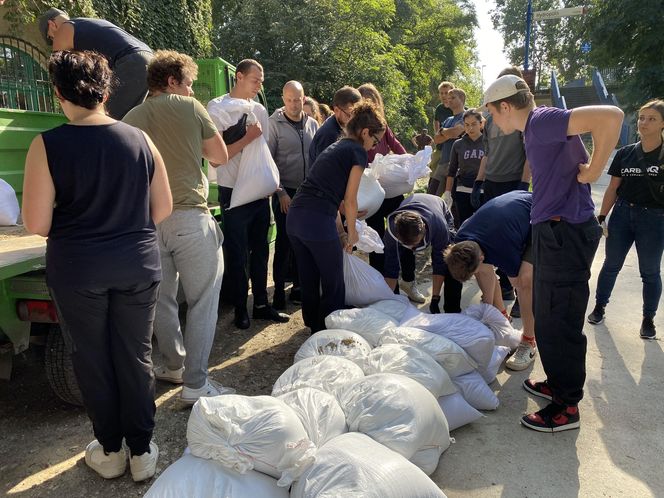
(375, 140)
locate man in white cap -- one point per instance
(565, 234)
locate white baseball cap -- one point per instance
(503, 87)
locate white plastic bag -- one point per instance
(395, 308)
(257, 176)
(326, 373)
(489, 372)
(9, 209)
(319, 412)
(472, 335)
(476, 392)
(369, 240)
(364, 284)
(354, 465)
(367, 322)
(335, 342)
(447, 353)
(397, 173)
(193, 477)
(457, 410)
(411, 362)
(245, 433)
(398, 412)
(502, 329)
(370, 195)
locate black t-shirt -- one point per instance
(326, 135)
(636, 187)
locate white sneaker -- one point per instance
(411, 290)
(522, 357)
(210, 388)
(164, 373)
(107, 465)
(144, 466)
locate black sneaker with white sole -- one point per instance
(647, 329)
(597, 316)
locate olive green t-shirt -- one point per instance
(178, 125)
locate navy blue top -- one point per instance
(501, 227)
(106, 38)
(326, 135)
(439, 226)
(102, 234)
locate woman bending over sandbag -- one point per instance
(314, 223)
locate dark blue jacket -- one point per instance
(327, 134)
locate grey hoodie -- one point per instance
(289, 148)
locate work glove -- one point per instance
(476, 194)
(602, 222)
(434, 307)
(447, 199)
(524, 186)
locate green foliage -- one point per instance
(19, 13)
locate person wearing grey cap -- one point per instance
(127, 56)
(565, 234)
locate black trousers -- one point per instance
(451, 294)
(563, 253)
(109, 332)
(464, 208)
(377, 222)
(246, 250)
(284, 259)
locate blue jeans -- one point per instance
(631, 224)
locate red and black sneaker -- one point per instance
(553, 418)
(540, 389)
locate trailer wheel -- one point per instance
(59, 368)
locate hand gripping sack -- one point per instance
(354, 465)
(193, 477)
(472, 335)
(476, 392)
(397, 173)
(319, 412)
(367, 322)
(399, 413)
(457, 410)
(369, 240)
(364, 284)
(9, 209)
(245, 433)
(410, 362)
(326, 373)
(502, 329)
(335, 342)
(370, 195)
(447, 353)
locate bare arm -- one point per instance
(436, 284)
(445, 134)
(486, 280)
(603, 123)
(38, 190)
(482, 171)
(350, 204)
(161, 200)
(215, 151)
(526, 175)
(64, 38)
(610, 195)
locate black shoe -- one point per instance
(553, 418)
(508, 295)
(647, 329)
(597, 316)
(516, 309)
(295, 295)
(267, 312)
(279, 300)
(241, 319)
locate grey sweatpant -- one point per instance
(190, 246)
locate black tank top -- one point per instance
(102, 234)
(106, 38)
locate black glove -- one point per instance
(434, 307)
(476, 195)
(524, 186)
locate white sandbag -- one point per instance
(319, 412)
(395, 308)
(397, 173)
(398, 412)
(410, 313)
(368, 238)
(370, 195)
(250, 432)
(193, 477)
(501, 327)
(472, 335)
(257, 176)
(411, 362)
(368, 322)
(457, 410)
(476, 392)
(335, 342)
(326, 373)
(9, 209)
(354, 465)
(447, 353)
(364, 284)
(489, 372)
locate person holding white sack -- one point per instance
(423, 220)
(246, 250)
(314, 223)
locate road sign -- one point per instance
(585, 48)
(543, 15)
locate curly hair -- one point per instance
(463, 259)
(80, 77)
(365, 115)
(167, 63)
